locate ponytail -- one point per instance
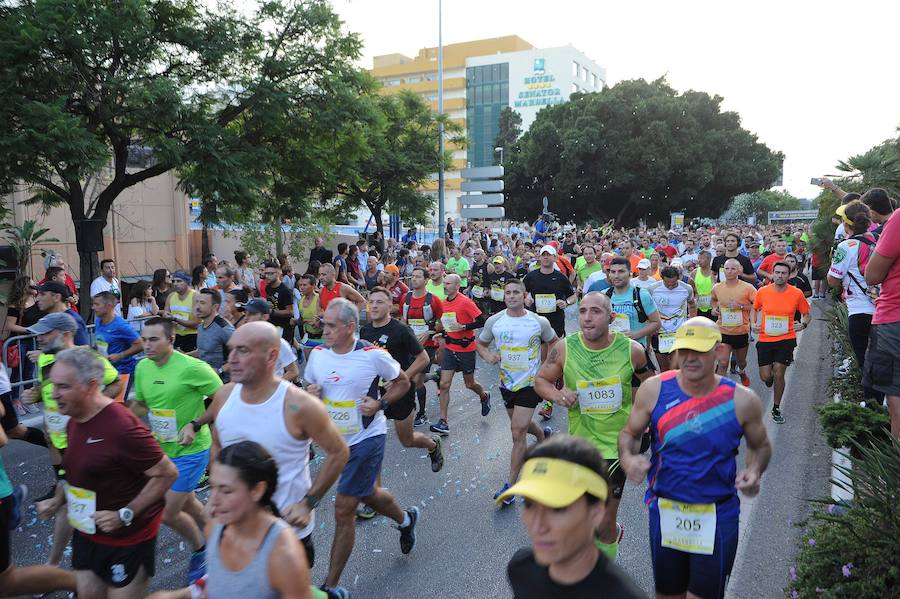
(254, 465)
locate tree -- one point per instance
(404, 152)
(510, 128)
(23, 239)
(758, 204)
(120, 92)
(635, 150)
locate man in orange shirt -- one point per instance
(777, 304)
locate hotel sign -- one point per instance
(539, 89)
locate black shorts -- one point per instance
(310, 549)
(736, 341)
(458, 361)
(818, 273)
(769, 352)
(6, 505)
(431, 351)
(881, 370)
(525, 397)
(403, 407)
(706, 314)
(185, 343)
(116, 566)
(10, 419)
(616, 478)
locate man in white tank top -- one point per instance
(258, 406)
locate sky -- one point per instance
(818, 81)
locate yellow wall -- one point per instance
(394, 65)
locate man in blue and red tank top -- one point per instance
(696, 419)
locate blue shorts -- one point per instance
(190, 470)
(705, 576)
(363, 467)
(312, 342)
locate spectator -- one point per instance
(52, 259)
(320, 252)
(245, 275)
(199, 277)
(362, 257)
(881, 206)
(107, 281)
(162, 285)
(52, 298)
(211, 263)
(141, 305)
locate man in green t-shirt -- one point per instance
(170, 387)
(458, 265)
(586, 265)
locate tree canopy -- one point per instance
(758, 204)
(635, 150)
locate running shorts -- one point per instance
(116, 566)
(736, 341)
(362, 469)
(525, 397)
(458, 361)
(769, 352)
(882, 368)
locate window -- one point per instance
(594, 80)
(574, 88)
(392, 82)
(414, 79)
(584, 73)
(574, 69)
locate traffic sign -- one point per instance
(482, 172)
(482, 185)
(494, 212)
(484, 199)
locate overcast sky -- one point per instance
(818, 81)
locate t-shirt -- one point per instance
(623, 303)
(286, 357)
(463, 311)
(108, 456)
(459, 266)
(345, 380)
(415, 315)
(100, 285)
(642, 284)
(281, 298)
(670, 251)
(743, 294)
(399, 341)
(545, 290)
(435, 288)
(845, 267)
(518, 340)
(597, 282)
(530, 580)
(778, 310)
(398, 292)
(887, 307)
(174, 392)
(718, 265)
(672, 304)
(212, 341)
(769, 262)
(116, 337)
(802, 283)
(585, 270)
(81, 335)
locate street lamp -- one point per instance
(500, 149)
(440, 223)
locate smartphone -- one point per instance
(817, 181)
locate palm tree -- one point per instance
(23, 239)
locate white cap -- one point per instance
(643, 263)
(676, 262)
(548, 248)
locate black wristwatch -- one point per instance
(384, 404)
(195, 425)
(311, 500)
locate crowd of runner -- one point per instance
(228, 376)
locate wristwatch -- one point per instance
(311, 500)
(384, 404)
(195, 425)
(126, 516)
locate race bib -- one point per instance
(513, 357)
(497, 294)
(344, 414)
(418, 326)
(704, 302)
(732, 317)
(448, 320)
(103, 347)
(477, 292)
(776, 325)
(82, 504)
(164, 425)
(666, 341)
(545, 303)
(688, 527)
(56, 422)
(600, 396)
(721, 274)
(620, 323)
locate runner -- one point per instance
(732, 305)
(458, 265)
(585, 266)
(52, 297)
(116, 478)
(495, 284)
(171, 387)
(395, 287)
(117, 341)
(435, 284)
(332, 289)
(260, 406)
(565, 486)
(180, 310)
(286, 367)
(599, 368)
(675, 303)
(421, 309)
(518, 336)
(702, 280)
(777, 304)
(732, 250)
(697, 419)
(213, 331)
(308, 313)
(634, 312)
(460, 318)
(344, 374)
(282, 299)
(643, 280)
(766, 269)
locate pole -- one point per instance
(441, 124)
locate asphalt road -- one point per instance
(464, 542)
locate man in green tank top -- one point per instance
(599, 368)
(702, 280)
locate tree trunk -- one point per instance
(376, 214)
(279, 238)
(621, 215)
(88, 269)
(204, 242)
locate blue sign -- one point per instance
(538, 64)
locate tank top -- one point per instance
(182, 308)
(308, 314)
(694, 443)
(704, 285)
(602, 380)
(326, 295)
(250, 581)
(264, 424)
(371, 281)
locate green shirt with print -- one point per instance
(459, 266)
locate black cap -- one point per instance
(258, 306)
(54, 287)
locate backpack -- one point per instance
(427, 311)
(862, 260)
(635, 300)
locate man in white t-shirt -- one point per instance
(344, 373)
(107, 281)
(675, 302)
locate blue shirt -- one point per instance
(623, 303)
(114, 338)
(81, 335)
(598, 285)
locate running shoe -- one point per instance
(441, 428)
(436, 454)
(509, 500)
(203, 483)
(196, 567)
(408, 534)
(434, 377)
(421, 419)
(745, 380)
(486, 405)
(365, 512)
(769, 382)
(547, 432)
(19, 495)
(776, 416)
(620, 532)
(335, 592)
(546, 410)
(734, 366)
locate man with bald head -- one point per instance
(459, 321)
(599, 368)
(697, 419)
(332, 289)
(732, 302)
(435, 284)
(259, 406)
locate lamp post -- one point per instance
(440, 124)
(500, 149)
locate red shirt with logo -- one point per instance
(417, 311)
(466, 312)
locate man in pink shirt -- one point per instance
(882, 369)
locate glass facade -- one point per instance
(487, 93)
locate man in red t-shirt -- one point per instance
(664, 248)
(397, 287)
(117, 476)
(765, 269)
(458, 323)
(413, 313)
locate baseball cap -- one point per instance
(182, 277)
(556, 483)
(57, 321)
(554, 243)
(549, 249)
(643, 263)
(258, 306)
(498, 260)
(676, 262)
(392, 268)
(54, 287)
(696, 337)
(842, 212)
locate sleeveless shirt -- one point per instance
(251, 580)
